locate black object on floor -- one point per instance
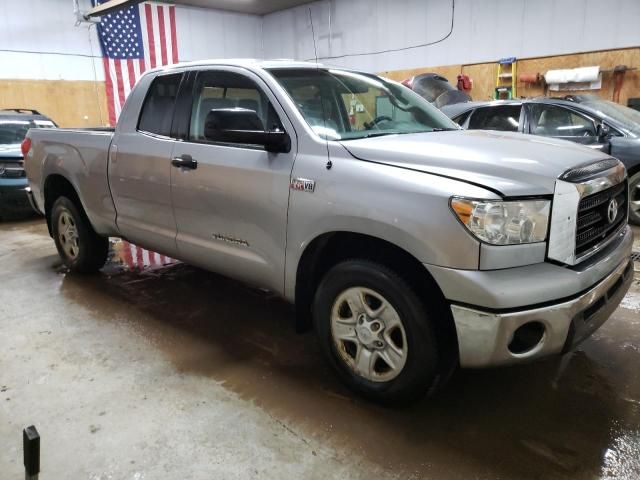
(31, 449)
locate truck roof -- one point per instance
(245, 62)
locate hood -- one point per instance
(510, 163)
(11, 151)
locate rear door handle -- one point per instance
(184, 161)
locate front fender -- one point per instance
(405, 208)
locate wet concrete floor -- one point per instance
(154, 369)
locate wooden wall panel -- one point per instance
(484, 79)
(484, 74)
(68, 103)
(607, 60)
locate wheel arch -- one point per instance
(56, 186)
(328, 249)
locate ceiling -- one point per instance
(257, 7)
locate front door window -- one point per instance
(557, 121)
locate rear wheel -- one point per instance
(634, 199)
(376, 332)
(79, 246)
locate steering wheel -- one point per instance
(376, 121)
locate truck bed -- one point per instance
(80, 156)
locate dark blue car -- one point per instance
(14, 125)
(584, 119)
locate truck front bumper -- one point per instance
(503, 334)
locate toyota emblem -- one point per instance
(612, 210)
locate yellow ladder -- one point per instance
(506, 79)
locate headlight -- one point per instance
(504, 223)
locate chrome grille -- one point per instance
(593, 224)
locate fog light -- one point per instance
(526, 337)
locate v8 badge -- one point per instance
(303, 185)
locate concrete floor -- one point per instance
(169, 372)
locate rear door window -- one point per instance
(157, 112)
(503, 117)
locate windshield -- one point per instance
(13, 131)
(627, 117)
(342, 105)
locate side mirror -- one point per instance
(240, 125)
(603, 132)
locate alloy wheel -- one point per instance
(368, 334)
(68, 235)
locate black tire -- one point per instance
(634, 196)
(92, 249)
(419, 376)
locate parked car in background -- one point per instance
(436, 89)
(412, 245)
(584, 119)
(14, 125)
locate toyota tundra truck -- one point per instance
(410, 246)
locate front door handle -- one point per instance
(184, 161)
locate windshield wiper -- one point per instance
(439, 129)
(371, 135)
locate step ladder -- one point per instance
(506, 79)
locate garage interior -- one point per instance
(156, 369)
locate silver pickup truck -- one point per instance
(411, 246)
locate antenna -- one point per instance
(313, 35)
(324, 113)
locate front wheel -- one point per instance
(79, 246)
(376, 332)
(634, 199)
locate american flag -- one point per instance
(133, 40)
(138, 258)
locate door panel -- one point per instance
(140, 172)
(231, 211)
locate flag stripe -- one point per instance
(124, 80)
(163, 36)
(144, 27)
(109, 85)
(167, 35)
(132, 75)
(120, 85)
(116, 87)
(150, 39)
(128, 257)
(174, 34)
(156, 35)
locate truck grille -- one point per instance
(12, 170)
(594, 225)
